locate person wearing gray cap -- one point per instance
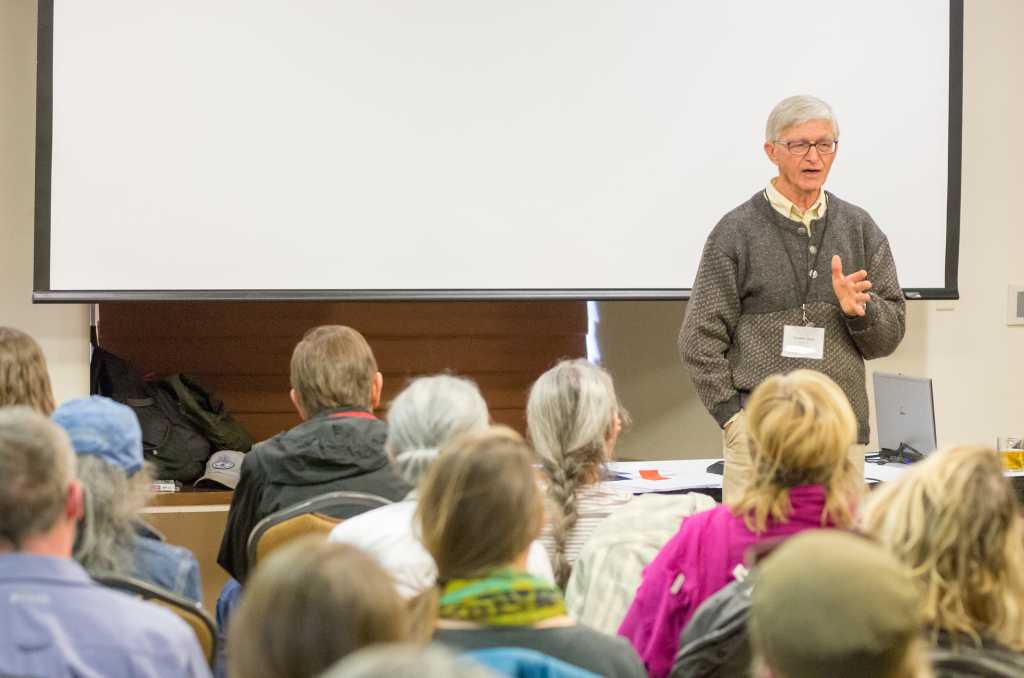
(831, 603)
(112, 539)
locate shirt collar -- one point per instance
(786, 208)
(31, 567)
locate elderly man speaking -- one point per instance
(795, 277)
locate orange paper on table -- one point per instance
(651, 474)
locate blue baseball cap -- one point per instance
(103, 428)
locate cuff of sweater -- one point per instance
(862, 323)
(724, 411)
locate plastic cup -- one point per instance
(1011, 450)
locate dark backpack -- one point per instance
(715, 644)
(169, 441)
(206, 412)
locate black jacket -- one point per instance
(960, 657)
(335, 450)
(715, 644)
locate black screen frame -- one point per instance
(42, 292)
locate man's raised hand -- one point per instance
(851, 290)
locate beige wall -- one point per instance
(974, 358)
(63, 331)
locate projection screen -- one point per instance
(275, 149)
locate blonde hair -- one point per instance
(801, 427)
(332, 367)
(571, 417)
(310, 604)
(954, 520)
(479, 508)
(24, 378)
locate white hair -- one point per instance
(427, 414)
(570, 416)
(797, 110)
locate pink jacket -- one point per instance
(703, 553)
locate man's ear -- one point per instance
(297, 404)
(74, 502)
(375, 390)
(769, 150)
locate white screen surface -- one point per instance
(469, 144)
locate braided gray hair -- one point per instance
(570, 416)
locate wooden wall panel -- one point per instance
(241, 350)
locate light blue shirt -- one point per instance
(56, 623)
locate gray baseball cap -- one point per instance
(223, 468)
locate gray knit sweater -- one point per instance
(747, 289)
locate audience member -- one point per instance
(574, 417)
(832, 603)
(610, 565)
(57, 621)
(425, 415)
(338, 446)
(801, 427)
(407, 661)
(24, 379)
(307, 606)
(954, 521)
(112, 539)
(480, 507)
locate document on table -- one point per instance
(668, 475)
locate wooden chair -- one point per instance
(318, 515)
(192, 613)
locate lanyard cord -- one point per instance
(801, 297)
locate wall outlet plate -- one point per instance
(1015, 305)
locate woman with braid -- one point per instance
(574, 418)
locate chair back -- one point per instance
(190, 612)
(313, 516)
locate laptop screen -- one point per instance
(905, 412)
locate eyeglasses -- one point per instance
(802, 147)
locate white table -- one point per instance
(680, 475)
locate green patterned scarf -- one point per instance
(503, 598)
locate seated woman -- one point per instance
(24, 379)
(479, 509)
(112, 539)
(801, 427)
(574, 418)
(308, 605)
(954, 520)
(428, 413)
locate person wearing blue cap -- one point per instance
(112, 538)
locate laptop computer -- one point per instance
(905, 413)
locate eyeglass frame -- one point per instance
(787, 144)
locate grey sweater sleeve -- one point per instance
(707, 332)
(880, 330)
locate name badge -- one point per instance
(803, 342)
